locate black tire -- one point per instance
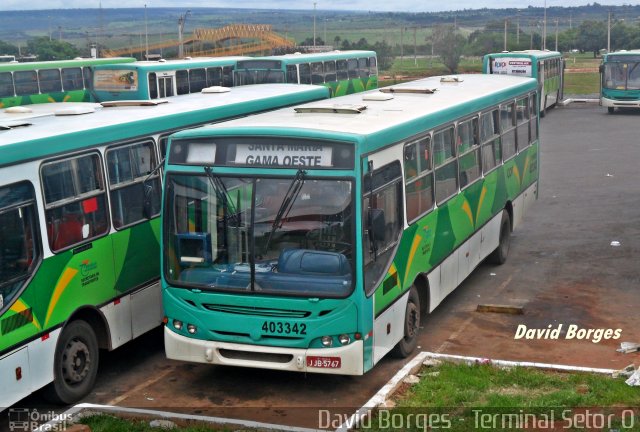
(499, 256)
(75, 364)
(610, 110)
(408, 343)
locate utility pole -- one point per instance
(556, 34)
(609, 33)
(146, 35)
(505, 34)
(415, 47)
(544, 28)
(314, 24)
(401, 44)
(518, 28)
(325, 31)
(181, 20)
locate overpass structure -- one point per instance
(231, 40)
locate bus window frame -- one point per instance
(442, 165)
(419, 176)
(9, 81)
(505, 129)
(476, 147)
(42, 81)
(71, 79)
(490, 140)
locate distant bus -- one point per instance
(344, 72)
(147, 80)
(545, 66)
(6, 58)
(79, 255)
(316, 238)
(620, 80)
(49, 81)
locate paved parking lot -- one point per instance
(574, 261)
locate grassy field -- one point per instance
(463, 398)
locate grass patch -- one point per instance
(110, 423)
(581, 83)
(463, 398)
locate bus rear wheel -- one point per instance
(408, 343)
(499, 256)
(75, 364)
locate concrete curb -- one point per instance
(568, 101)
(356, 418)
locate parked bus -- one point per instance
(145, 80)
(49, 81)
(315, 239)
(620, 80)
(545, 66)
(344, 72)
(7, 58)
(79, 258)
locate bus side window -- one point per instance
(386, 203)
(330, 71)
(446, 165)
(352, 65)
(468, 151)
(128, 167)
(418, 177)
(50, 80)
(197, 80)
(490, 139)
(75, 201)
(214, 76)
(522, 123)
(533, 111)
(341, 67)
(507, 119)
(153, 86)
(6, 85)
(305, 73)
(182, 81)
(292, 74)
(363, 68)
(72, 79)
(86, 73)
(373, 66)
(317, 73)
(26, 83)
(227, 76)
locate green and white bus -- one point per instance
(145, 80)
(344, 72)
(620, 80)
(314, 238)
(79, 254)
(49, 81)
(545, 66)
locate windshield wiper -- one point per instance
(222, 193)
(287, 204)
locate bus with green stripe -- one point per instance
(545, 66)
(316, 238)
(620, 80)
(49, 81)
(148, 80)
(79, 252)
(344, 72)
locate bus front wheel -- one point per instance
(75, 364)
(610, 110)
(408, 343)
(499, 256)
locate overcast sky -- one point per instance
(363, 5)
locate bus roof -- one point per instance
(621, 54)
(4, 67)
(534, 54)
(196, 62)
(329, 55)
(34, 135)
(405, 113)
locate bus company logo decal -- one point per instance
(89, 272)
(572, 332)
(24, 419)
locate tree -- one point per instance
(47, 49)
(592, 36)
(6, 48)
(449, 45)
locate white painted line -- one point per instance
(568, 101)
(75, 411)
(381, 396)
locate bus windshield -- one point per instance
(622, 76)
(289, 236)
(17, 242)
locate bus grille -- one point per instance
(256, 356)
(257, 311)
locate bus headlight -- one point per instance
(327, 341)
(177, 324)
(192, 329)
(344, 339)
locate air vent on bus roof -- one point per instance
(123, 103)
(18, 110)
(422, 90)
(334, 108)
(450, 79)
(74, 110)
(377, 96)
(216, 89)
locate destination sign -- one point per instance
(511, 66)
(284, 155)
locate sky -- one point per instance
(363, 5)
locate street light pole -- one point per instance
(181, 20)
(314, 24)
(544, 28)
(146, 34)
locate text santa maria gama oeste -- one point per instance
(573, 331)
(284, 155)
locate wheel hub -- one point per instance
(76, 362)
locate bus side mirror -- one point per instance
(147, 205)
(377, 223)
